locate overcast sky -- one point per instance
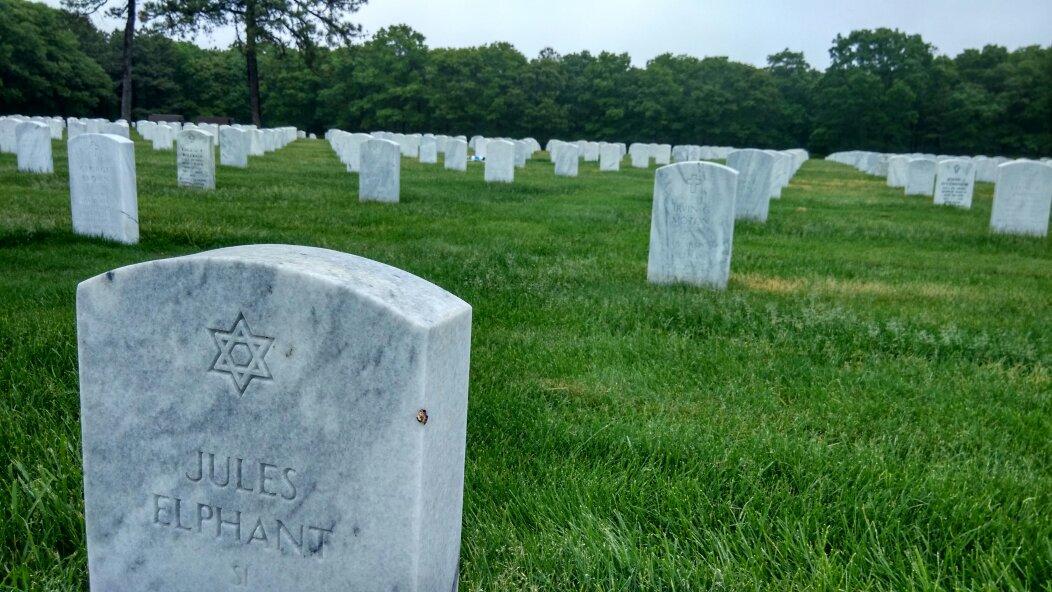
(744, 30)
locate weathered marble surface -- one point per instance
(522, 151)
(662, 153)
(102, 192)
(954, 183)
(428, 150)
(609, 157)
(9, 134)
(255, 140)
(272, 418)
(33, 147)
(692, 224)
(500, 161)
(163, 137)
(1022, 198)
(753, 196)
(567, 158)
(381, 169)
(233, 147)
(456, 158)
(920, 177)
(195, 159)
(897, 166)
(640, 155)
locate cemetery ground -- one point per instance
(867, 406)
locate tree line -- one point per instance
(884, 90)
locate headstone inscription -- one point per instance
(102, 192)
(195, 157)
(272, 417)
(692, 224)
(954, 183)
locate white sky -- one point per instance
(745, 30)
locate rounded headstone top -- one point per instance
(410, 297)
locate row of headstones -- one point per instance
(365, 488)
(29, 138)
(1022, 188)
(102, 183)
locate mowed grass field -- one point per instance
(868, 406)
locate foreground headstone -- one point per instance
(500, 161)
(272, 417)
(692, 224)
(954, 183)
(1022, 198)
(920, 177)
(456, 158)
(755, 168)
(233, 147)
(102, 192)
(195, 159)
(33, 147)
(379, 178)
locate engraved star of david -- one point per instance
(241, 354)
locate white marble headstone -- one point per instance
(195, 159)
(920, 177)
(103, 196)
(456, 155)
(1022, 198)
(233, 147)
(692, 224)
(609, 157)
(33, 147)
(272, 417)
(500, 161)
(428, 150)
(567, 158)
(755, 168)
(380, 176)
(954, 183)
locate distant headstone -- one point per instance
(1022, 198)
(195, 159)
(233, 147)
(456, 155)
(380, 176)
(954, 183)
(102, 192)
(428, 150)
(640, 155)
(755, 168)
(500, 161)
(897, 167)
(9, 134)
(33, 145)
(567, 159)
(920, 177)
(163, 137)
(609, 158)
(522, 152)
(272, 417)
(692, 224)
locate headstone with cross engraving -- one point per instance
(103, 198)
(272, 417)
(195, 159)
(692, 224)
(954, 183)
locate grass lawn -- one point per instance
(867, 406)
